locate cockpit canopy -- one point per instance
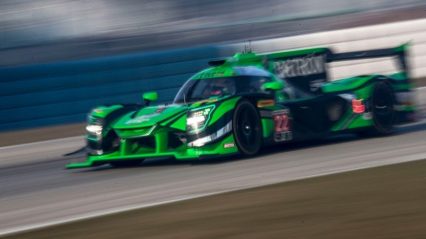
(223, 81)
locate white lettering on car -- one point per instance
(302, 66)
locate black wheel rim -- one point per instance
(247, 129)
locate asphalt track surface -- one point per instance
(39, 194)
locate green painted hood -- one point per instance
(149, 116)
(163, 114)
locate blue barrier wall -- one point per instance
(63, 92)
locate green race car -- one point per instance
(248, 101)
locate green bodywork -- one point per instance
(160, 131)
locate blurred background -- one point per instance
(78, 28)
(60, 58)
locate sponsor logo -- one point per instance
(283, 136)
(229, 145)
(265, 103)
(300, 66)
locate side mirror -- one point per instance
(149, 97)
(273, 86)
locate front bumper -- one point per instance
(224, 146)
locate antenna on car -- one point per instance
(247, 47)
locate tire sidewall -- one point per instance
(378, 127)
(254, 149)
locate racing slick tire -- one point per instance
(126, 163)
(247, 129)
(382, 110)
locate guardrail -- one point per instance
(63, 92)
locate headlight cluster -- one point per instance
(197, 119)
(95, 127)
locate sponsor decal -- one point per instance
(307, 72)
(265, 103)
(300, 66)
(229, 145)
(282, 126)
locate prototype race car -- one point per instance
(251, 100)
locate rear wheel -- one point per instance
(383, 114)
(126, 163)
(247, 128)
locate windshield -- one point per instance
(195, 90)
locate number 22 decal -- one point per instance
(282, 124)
(281, 121)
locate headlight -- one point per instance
(198, 118)
(94, 129)
(94, 126)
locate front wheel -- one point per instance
(247, 128)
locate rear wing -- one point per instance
(400, 52)
(307, 69)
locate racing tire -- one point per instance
(382, 110)
(126, 163)
(247, 129)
